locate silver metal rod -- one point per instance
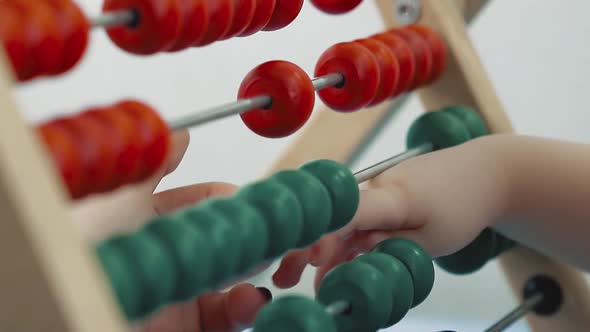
(516, 314)
(373, 171)
(238, 107)
(112, 19)
(244, 105)
(327, 81)
(337, 308)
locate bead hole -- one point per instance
(135, 19)
(342, 83)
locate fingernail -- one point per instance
(265, 293)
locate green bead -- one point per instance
(122, 278)
(471, 258)
(503, 244)
(281, 211)
(398, 278)
(253, 232)
(223, 241)
(365, 289)
(443, 130)
(315, 202)
(294, 314)
(190, 252)
(418, 262)
(474, 122)
(343, 189)
(154, 267)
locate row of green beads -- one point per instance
(175, 258)
(380, 286)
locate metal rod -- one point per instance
(244, 105)
(373, 171)
(516, 314)
(328, 81)
(112, 19)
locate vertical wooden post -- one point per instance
(49, 281)
(465, 82)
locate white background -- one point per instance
(535, 51)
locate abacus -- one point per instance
(425, 48)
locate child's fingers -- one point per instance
(292, 266)
(322, 251)
(180, 142)
(341, 255)
(170, 200)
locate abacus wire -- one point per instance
(517, 313)
(245, 105)
(112, 19)
(374, 170)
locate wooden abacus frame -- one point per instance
(45, 258)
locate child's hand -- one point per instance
(129, 208)
(442, 200)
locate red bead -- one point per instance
(361, 76)
(154, 134)
(74, 26)
(13, 38)
(437, 47)
(262, 15)
(286, 11)
(405, 57)
(336, 6)
(421, 53)
(157, 29)
(65, 155)
(244, 13)
(194, 23)
(42, 36)
(221, 15)
(292, 93)
(388, 68)
(125, 142)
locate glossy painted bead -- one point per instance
(336, 6)
(67, 161)
(437, 47)
(398, 278)
(194, 24)
(254, 233)
(474, 122)
(292, 93)
(342, 186)
(361, 76)
(125, 142)
(153, 268)
(122, 277)
(243, 14)
(365, 289)
(294, 313)
(416, 260)
(223, 239)
(441, 129)
(471, 258)
(75, 28)
(43, 37)
(157, 28)
(221, 15)
(286, 11)
(262, 15)
(422, 54)
(154, 136)
(315, 201)
(190, 255)
(405, 58)
(13, 36)
(388, 69)
(281, 211)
